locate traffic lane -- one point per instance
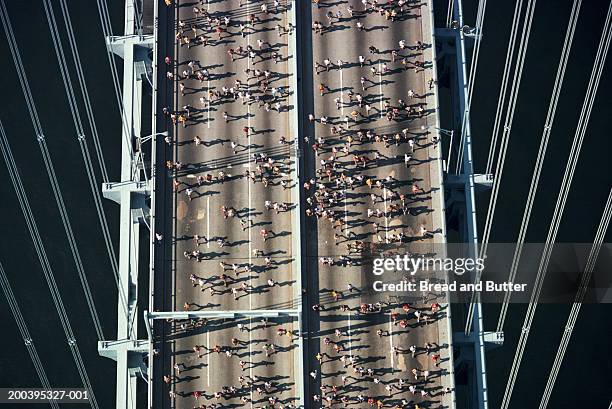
(392, 165)
(406, 330)
(352, 43)
(202, 216)
(328, 280)
(201, 353)
(278, 368)
(206, 128)
(274, 125)
(230, 204)
(352, 326)
(323, 54)
(360, 340)
(376, 351)
(418, 172)
(381, 172)
(373, 343)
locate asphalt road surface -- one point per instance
(233, 171)
(222, 260)
(377, 341)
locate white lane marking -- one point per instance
(386, 218)
(380, 90)
(208, 356)
(349, 335)
(341, 94)
(208, 103)
(346, 224)
(247, 179)
(208, 222)
(208, 83)
(250, 233)
(250, 356)
(391, 342)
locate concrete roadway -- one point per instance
(202, 215)
(344, 42)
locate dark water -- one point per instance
(584, 379)
(16, 249)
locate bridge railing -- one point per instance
(152, 215)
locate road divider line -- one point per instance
(391, 343)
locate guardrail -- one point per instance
(152, 215)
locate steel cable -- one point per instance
(63, 65)
(482, 6)
(25, 333)
(550, 116)
(573, 316)
(585, 114)
(449, 13)
(516, 83)
(108, 33)
(41, 253)
(504, 86)
(84, 92)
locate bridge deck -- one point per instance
(359, 332)
(234, 247)
(231, 262)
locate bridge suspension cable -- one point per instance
(482, 6)
(573, 316)
(41, 253)
(25, 333)
(137, 16)
(78, 125)
(550, 117)
(480, 15)
(449, 13)
(516, 83)
(585, 114)
(504, 86)
(84, 92)
(108, 33)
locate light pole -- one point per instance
(442, 130)
(143, 139)
(140, 159)
(448, 132)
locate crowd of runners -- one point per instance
(230, 158)
(370, 194)
(368, 144)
